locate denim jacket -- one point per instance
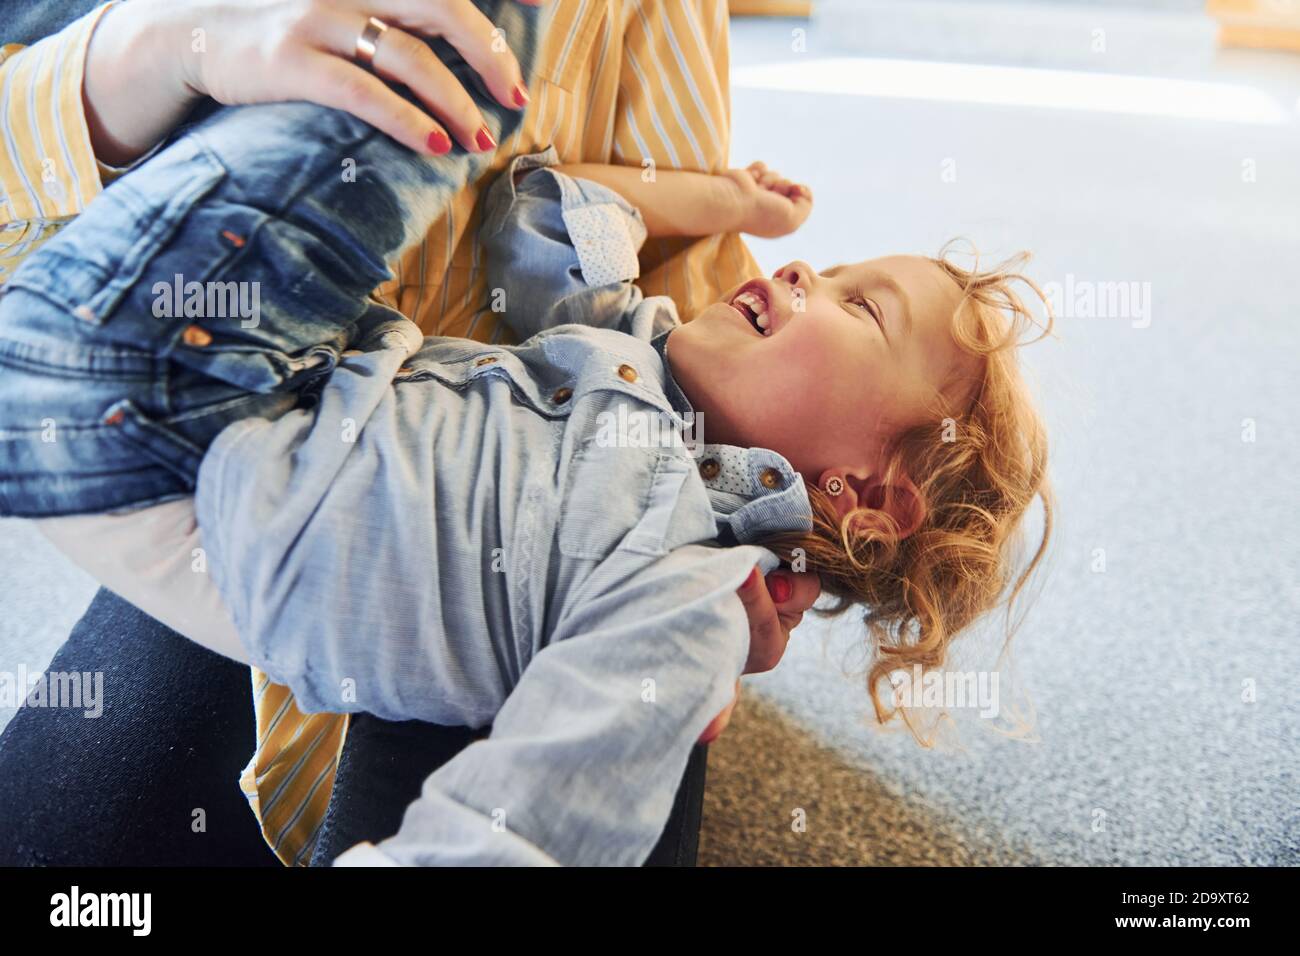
(469, 534)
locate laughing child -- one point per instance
(443, 530)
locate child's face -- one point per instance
(850, 357)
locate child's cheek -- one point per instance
(801, 381)
(827, 371)
(814, 347)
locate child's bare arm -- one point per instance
(675, 202)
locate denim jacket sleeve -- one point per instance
(559, 249)
(617, 700)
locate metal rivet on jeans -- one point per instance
(196, 336)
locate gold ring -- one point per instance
(369, 39)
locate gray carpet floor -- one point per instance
(1148, 751)
(1148, 748)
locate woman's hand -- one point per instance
(149, 60)
(771, 206)
(774, 605)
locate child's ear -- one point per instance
(859, 488)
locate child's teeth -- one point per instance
(761, 320)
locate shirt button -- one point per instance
(709, 469)
(486, 360)
(562, 395)
(627, 373)
(196, 336)
(770, 477)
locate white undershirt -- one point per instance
(153, 558)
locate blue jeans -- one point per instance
(175, 732)
(114, 376)
(177, 725)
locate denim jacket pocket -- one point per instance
(88, 269)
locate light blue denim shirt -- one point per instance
(469, 534)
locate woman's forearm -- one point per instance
(674, 202)
(134, 90)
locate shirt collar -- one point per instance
(754, 491)
(676, 397)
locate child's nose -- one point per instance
(797, 274)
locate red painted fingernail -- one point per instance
(484, 139)
(439, 142)
(780, 588)
(520, 95)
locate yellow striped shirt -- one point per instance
(634, 82)
(629, 82)
(48, 172)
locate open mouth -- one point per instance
(753, 306)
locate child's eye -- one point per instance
(869, 307)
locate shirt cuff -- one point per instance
(606, 238)
(50, 171)
(605, 230)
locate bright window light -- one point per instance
(1016, 86)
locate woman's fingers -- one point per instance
(719, 723)
(805, 587)
(766, 639)
(329, 81)
(403, 58)
(767, 636)
(485, 47)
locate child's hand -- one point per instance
(770, 205)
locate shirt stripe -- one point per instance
(48, 172)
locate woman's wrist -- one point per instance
(136, 87)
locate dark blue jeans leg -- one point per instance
(27, 21)
(126, 788)
(384, 763)
(176, 730)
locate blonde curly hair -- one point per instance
(978, 472)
